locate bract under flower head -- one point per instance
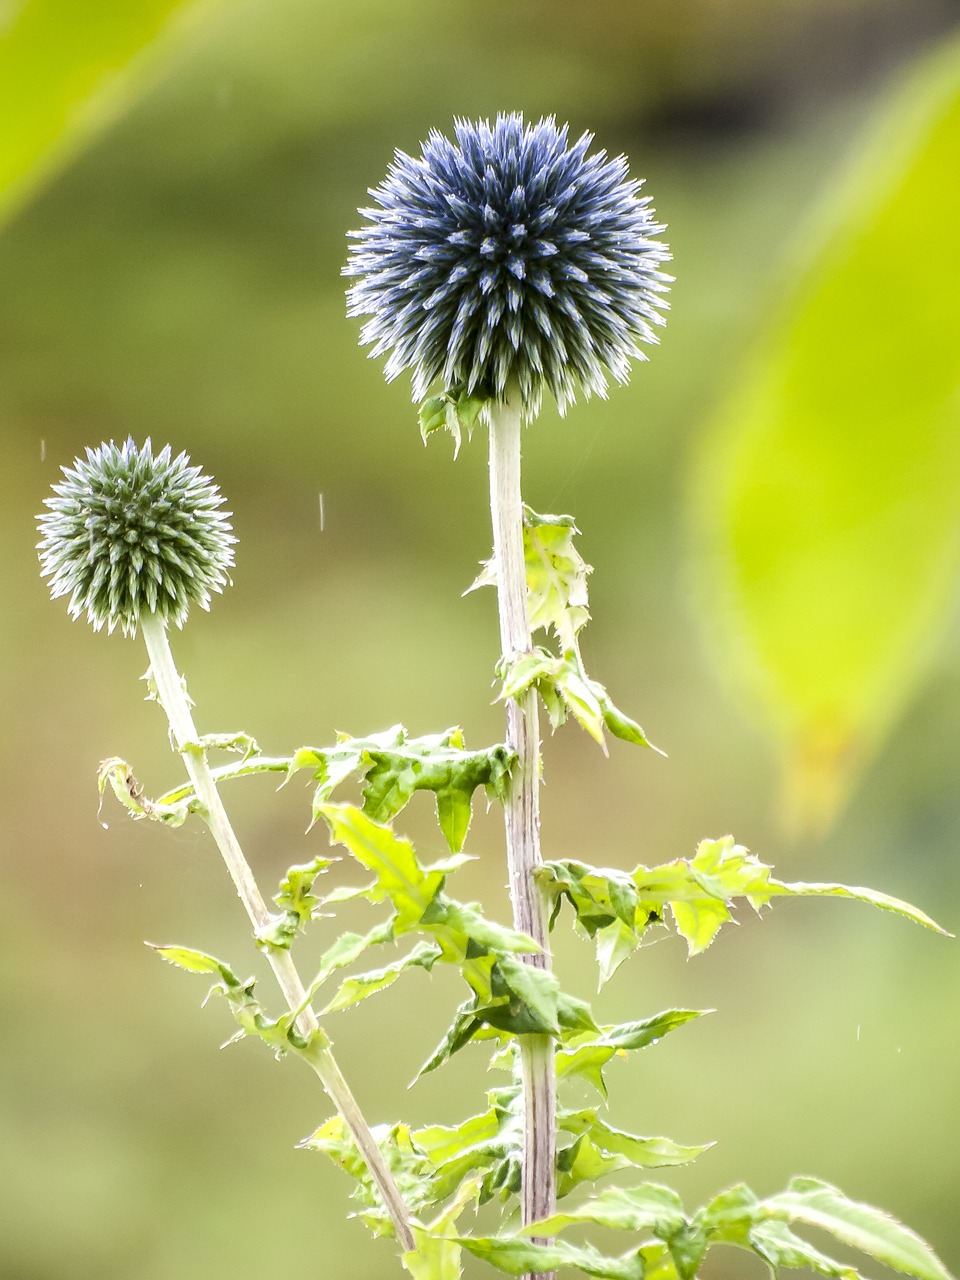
(129, 533)
(508, 259)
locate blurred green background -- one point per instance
(170, 267)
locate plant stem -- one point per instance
(173, 699)
(522, 810)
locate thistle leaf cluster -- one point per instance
(498, 265)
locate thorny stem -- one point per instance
(175, 703)
(522, 810)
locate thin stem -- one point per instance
(522, 811)
(173, 699)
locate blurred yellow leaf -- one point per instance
(66, 69)
(827, 495)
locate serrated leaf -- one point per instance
(297, 902)
(566, 689)
(698, 893)
(196, 962)
(354, 989)
(556, 576)
(780, 1247)
(875, 1233)
(347, 948)
(127, 789)
(454, 411)
(459, 1033)
(586, 1056)
(646, 1207)
(597, 1153)
(615, 943)
(537, 988)
(517, 1257)
(393, 766)
(399, 877)
(642, 1153)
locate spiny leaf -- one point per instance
(646, 1207)
(359, 987)
(589, 1158)
(642, 1153)
(813, 1203)
(399, 876)
(460, 1032)
(128, 791)
(280, 1033)
(698, 893)
(518, 1257)
(565, 689)
(454, 411)
(196, 962)
(780, 1247)
(489, 1144)
(392, 765)
(347, 948)
(297, 902)
(450, 772)
(556, 576)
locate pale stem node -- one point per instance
(174, 701)
(522, 810)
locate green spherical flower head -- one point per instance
(129, 533)
(508, 261)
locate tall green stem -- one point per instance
(175, 703)
(522, 811)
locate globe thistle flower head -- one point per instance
(508, 260)
(129, 532)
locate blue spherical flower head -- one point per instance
(129, 532)
(508, 261)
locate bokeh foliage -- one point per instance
(829, 491)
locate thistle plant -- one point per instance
(495, 267)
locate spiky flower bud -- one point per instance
(129, 533)
(508, 259)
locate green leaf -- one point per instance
(440, 765)
(352, 990)
(646, 1207)
(459, 1033)
(642, 1153)
(812, 1203)
(392, 765)
(66, 71)
(586, 1054)
(128, 791)
(556, 576)
(517, 1257)
(348, 948)
(697, 892)
(399, 876)
(826, 492)
(454, 411)
(780, 1247)
(537, 988)
(196, 962)
(566, 689)
(297, 902)
(280, 1033)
